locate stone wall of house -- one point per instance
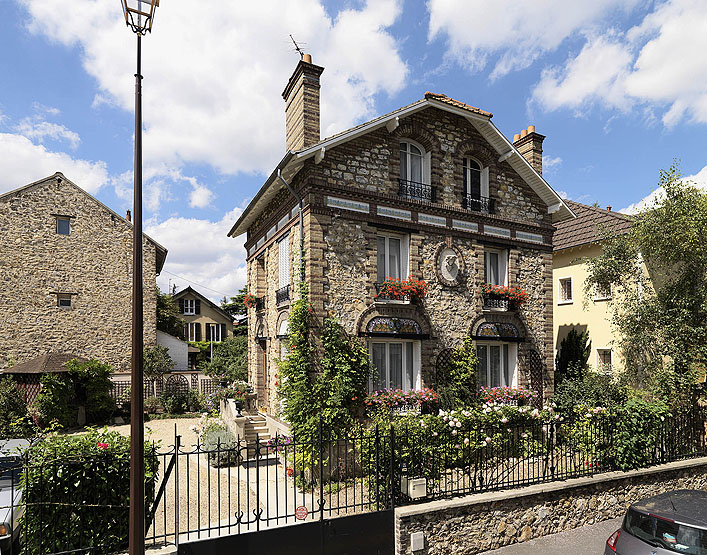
(93, 264)
(482, 522)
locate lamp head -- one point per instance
(139, 14)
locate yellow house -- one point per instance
(574, 241)
(204, 320)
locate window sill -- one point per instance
(600, 299)
(564, 302)
(389, 301)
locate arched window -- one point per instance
(415, 172)
(476, 186)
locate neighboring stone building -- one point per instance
(432, 190)
(574, 242)
(204, 320)
(66, 271)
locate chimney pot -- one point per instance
(531, 129)
(608, 208)
(307, 58)
(530, 146)
(523, 133)
(127, 215)
(516, 137)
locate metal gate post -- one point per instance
(177, 443)
(392, 467)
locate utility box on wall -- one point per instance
(415, 488)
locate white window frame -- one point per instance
(599, 297)
(416, 359)
(503, 264)
(191, 330)
(512, 363)
(599, 364)
(483, 177)
(426, 162)
(283, 261)
(404, 254)
(62, 298)
(189, 307)
(215, 334)
(560, 299)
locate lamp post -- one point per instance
(139, 15)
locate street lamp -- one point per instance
(139, 15)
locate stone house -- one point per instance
(431, 190)
(203, 319)
(67, 275)
(576, 241)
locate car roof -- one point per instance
(12, 447)
(685, 506)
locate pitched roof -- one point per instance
(44, 364)
(161, 252)
(293, 161)
(190, 289)
(588, 226)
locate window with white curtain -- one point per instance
(392, 257)
(283, 262)
(497, 364)
(496, 267)
(475, 178)
(396, 364)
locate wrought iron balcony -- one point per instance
(479, 204)
(492, 302)
(386, 297)
(283, 294)
(260, 303)
(417, 191)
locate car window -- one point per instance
(666, 534)
(10, 471)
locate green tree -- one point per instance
(156, 362)
(237, 310)
(230, 361)
(572, 356)
(168, 318)
(658, 272)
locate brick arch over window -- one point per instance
(499, 319)
(482, 154)
(416, 133)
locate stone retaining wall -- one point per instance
(482, 522)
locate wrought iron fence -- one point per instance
(282, 294)
(233, 486)
(479, 204)
(417, 191)
(496, 303)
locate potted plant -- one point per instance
(515, 296)
(250, 300)
(401, 290)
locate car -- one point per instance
(672, 522)
(11, 507)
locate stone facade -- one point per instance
(92, 265)
(483, 522)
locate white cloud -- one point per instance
(520, 32)
(655, 64)
(201, 254)
(551, 163)
(38, 129)
(200, 197)
(213, 77)
(24, 162)
(699, 180)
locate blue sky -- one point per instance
(619, 87)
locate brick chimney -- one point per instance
(127, 215)
(530, 145)
(302, 105)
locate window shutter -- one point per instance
(181, 306)
(197, 304)
(284, 261)
(223, 332)
(197, 329)
(485, 182)
(208, 332)
(427, 168)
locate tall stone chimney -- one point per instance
(302, 105)
(530, 145)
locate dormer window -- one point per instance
(415, 173)
(476, 186)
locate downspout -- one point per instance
(300, 202)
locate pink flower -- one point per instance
(102, 445)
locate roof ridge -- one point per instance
(620, 215)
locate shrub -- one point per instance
(179, 402)
(230, 361)
(572, 356)
(388, 399)
(80, 485)
(457, 383)
(508, 395)
(221, 447)
(237, 391)
(55, 401)
(153, 405)
(593, 390)
(14, 418)
(156, 362)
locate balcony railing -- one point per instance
(479, 204)
(260, 303)
(384, 297)
(417, 191)
(492, 302)
(283, 294)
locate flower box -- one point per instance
(411, 289)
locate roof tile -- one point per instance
(587, 227)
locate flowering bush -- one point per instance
(397, 398)
(515, 295)
(237, 391)
(508, 395)
(396, 289)
(249, 300)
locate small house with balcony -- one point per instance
(432, 191)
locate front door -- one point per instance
(263, 373)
